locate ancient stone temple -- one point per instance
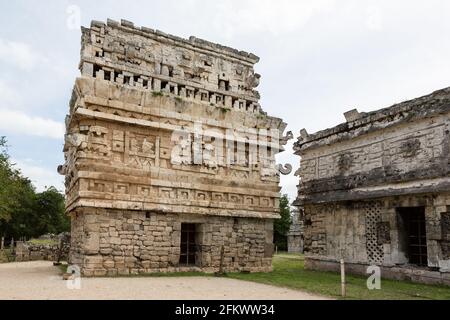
(376, 191)
(170, 160)
(295, 234)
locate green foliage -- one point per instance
(23, 212)
(6, 255)
(49, 212)
(282, 225)
(157, 94)
(14, 188)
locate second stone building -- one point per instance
(376, 191)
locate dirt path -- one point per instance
(41, 280)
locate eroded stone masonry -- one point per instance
(376, 191)
(150, 185)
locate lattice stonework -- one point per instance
(373, 220)
(384, 232)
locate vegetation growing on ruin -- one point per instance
(157, 94)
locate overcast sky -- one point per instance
(319, 58)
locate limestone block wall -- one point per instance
(379, 153)
(367, 232)
(366, 184)
(295, 234)
(30, 252)
(399, 154)
(171, 128)
(111, 242)
(422, 144)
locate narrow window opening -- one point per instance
(188, 244)
(97, 68)
(412, 234)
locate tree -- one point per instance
(50, 213)
(15, 190)
(23, 212)
(282, 225)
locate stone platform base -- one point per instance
(403, 273)
(118, 242)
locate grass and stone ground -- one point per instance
(41, 280)
(289, 272)
(289, 280)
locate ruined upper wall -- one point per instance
(399, 150)
(362, 123)
(165, 124)
(161, 62)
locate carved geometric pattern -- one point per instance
(410, 148)
(383, 232)
(148, 191)
(375, 253)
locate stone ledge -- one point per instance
(435, 103)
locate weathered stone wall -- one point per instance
(421, 143)
(55, 249)
(28, 252)
(296, 233)
(385, 150)
(110, 242)
(172, 128)
(355, 177)
(295, 243)
(367, 232)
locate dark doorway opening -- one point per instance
(188, 246)
(413, 236)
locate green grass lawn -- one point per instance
(289, 272)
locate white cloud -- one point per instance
(19, 54)
(374, 20)
(282, 16)
(41, 177)
(8, 96)
(21, 123)
(256, 16)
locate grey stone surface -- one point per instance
(125, 157)
(356, 176)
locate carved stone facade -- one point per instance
(376, 191)
(165, 138)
